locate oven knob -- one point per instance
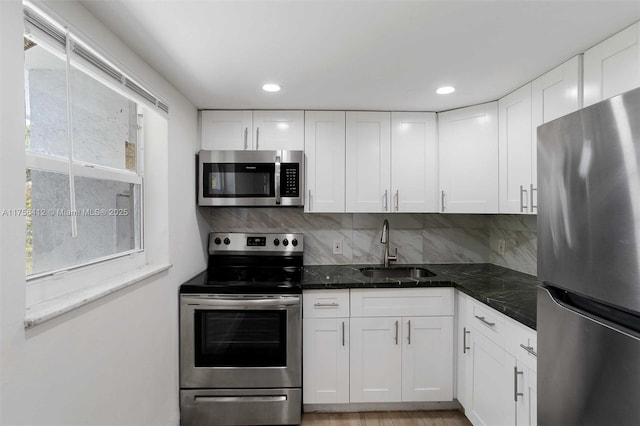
(294, 242)
(285, 242)
(217, 241)
(227, 241)
(276, 242)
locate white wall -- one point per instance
(114, 361)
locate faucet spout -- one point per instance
(384, 239)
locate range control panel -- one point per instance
(224, 242)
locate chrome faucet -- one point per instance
(384, 239)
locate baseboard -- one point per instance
(381, 406)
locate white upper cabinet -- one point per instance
(325, 161)
(515, 151)
(275, 130)
(556, 93)
(368, 155)
(230, 130)
(252, 130)
(468, 146)
(612, 66)
(414, 162)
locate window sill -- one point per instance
(45, 311)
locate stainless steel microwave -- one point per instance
(251, 178)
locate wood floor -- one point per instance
(387, 418)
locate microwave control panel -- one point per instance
(289, 180)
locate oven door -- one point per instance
(240, 341)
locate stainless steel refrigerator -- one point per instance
(589, 261)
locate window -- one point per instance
(84, 152)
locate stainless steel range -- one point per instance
(240, 333)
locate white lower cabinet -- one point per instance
(389, 355)
(325, 346)
(492, 400)
(402, 350)
(326, 360)
(376, 360)
(427, 361)
(496, 366)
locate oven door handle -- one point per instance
(280, 301)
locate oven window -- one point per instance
(236, 180)
(240, 338)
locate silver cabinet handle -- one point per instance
(386, 203)
(522, 206)
(409, 332)
(533, 206)
(516, 394)
(246, 138)
(464, 340)
(490, 324)
(396, 332)
(326, 305)
(257, 137)
(309, 200)
(442, 200)
(529, 349)
(397, 200)
(342, 333)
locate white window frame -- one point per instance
(53, 293)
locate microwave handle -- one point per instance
(277, 178)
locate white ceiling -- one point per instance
(373, 55)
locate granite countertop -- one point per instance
(509, 292)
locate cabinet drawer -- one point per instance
(490, 323)
(401, 302)
(325, 303)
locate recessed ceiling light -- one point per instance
(445, 90)
(271, 87)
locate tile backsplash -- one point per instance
(420, 238)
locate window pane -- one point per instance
(113, 222)
(108, 218)
(48, 232)
(104, 124)
(46, 102)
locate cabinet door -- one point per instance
(553, 95)
(464, 364)
(325, 355)
(274, 130)
(468, 146)
(325, 156)
(414, 162)
(515, 151)
(368, 162)
(427, 359)
(492, 390)
(232, 130)
(527, 407)
(375, 359)
(613, 66)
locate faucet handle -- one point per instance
(395, 255)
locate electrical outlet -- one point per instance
(501, 247)
(337, 246)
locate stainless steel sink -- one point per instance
(396, 272)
